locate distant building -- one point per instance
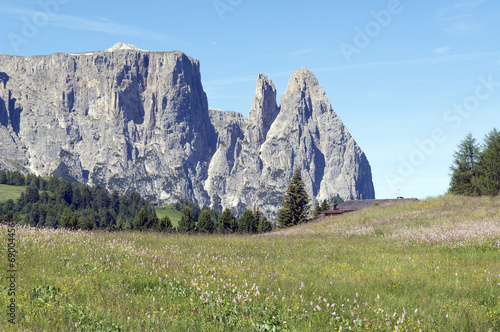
(354, 205)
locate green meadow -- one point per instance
(10, 192)
(171, 212)
(429, 265)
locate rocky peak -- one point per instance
(124, 47)
(302, 80)
(264, 109)
(134, 120)
(305, 96)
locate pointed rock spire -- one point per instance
(264, 108)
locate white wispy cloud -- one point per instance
(463, 29)
(101, 25)
(442, 50)
(415, 62)
(462, 18)
(467, 5)
(443, 59)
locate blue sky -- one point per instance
(408, 78)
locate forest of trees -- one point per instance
(476, 167)
(57, 203)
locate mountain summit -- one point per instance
(124, 47)
(133, 120)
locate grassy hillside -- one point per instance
(428, 265)
(10, 192)
(171, 212)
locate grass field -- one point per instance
(432, 265)
(171, 212)
(10, 192)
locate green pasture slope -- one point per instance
(427, 265)
(10, 192)
(171, 212)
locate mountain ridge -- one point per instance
(135, 120)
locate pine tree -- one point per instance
(233, 224)
(316, 210)
(65, 221)
(463, 170)
(325, 206)
(295, 204)
(186, 224)
(225, 221)
(246, 222)
(205, 223)
(85, 223)
(165, 225)
(264, 225)
(32, 194)
(140, 220)
(152, 222)
(488, 166)
(257, 217)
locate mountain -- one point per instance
(135, 120)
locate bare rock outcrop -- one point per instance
(135, 120)
(303, 131)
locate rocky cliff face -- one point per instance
(134, 120)
(256, 158)
(126, 119)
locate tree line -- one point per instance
(58, 203)
(476, 167)
(251, 222)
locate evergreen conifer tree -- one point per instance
(316, 210)
(85, 223)
(226, 221)
(65, 221)
(165, 225)
(463, 171)
(186, 224)
(205, 222)
(295, 204)
(264, 225)
(257, 217)
(325, 206)
(140, 220)
(152, 221)
(488, 166)
(246, 222)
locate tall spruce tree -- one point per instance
(264, 225)
(463, 171)
(205, 222)
(488, 166)
(226, 222)
(316, 211)
(186, 224)
(165, 225)
(141, 220)
(295, 204)
(246, 222)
